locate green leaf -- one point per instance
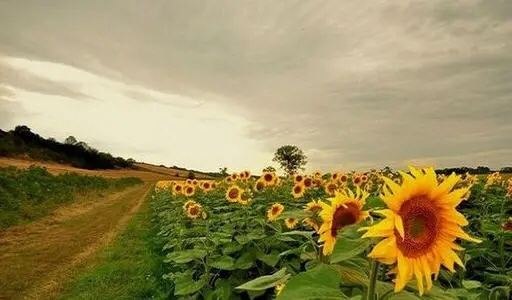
(307, 234)
(265, 282)
(347, 248)
(471, 284)
(231, 248)
(270, 259)
(223, 263)
(185, 256)
(186, 285)
(319, 283)
(245, 261)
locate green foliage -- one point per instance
(235, 253)
(28, 194)
(291, 158)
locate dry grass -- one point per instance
(37, 259)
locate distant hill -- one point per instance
(22, 142)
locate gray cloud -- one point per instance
(353, 83)
(29, 82)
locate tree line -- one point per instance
(23, 142)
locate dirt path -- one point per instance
(37, 259)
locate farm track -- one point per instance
(37, 259)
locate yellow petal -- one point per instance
(399, 225)
(385, 248)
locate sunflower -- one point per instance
(313, 206)
(206, 186)
(317, 174)
(178, 188)
(291, 222)
(245, 198)
(357, 180)
(195, 182)
(188, 181)
(269, 178)
(274, 211)
(245, 174)
(298, 178)
(298, 190)
(345, 209)
(420, 226)
(330, 188)
(364, 178)
(311, 223)
(335, 176)
(259, 185)
(194, 211)
(343, 178)
(189, 190)
(234, 193)
(308, 182)
(188, 204)
(318, 182)
(234, 176)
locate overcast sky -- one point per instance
(205, 84)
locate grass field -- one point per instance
(29, 194)
(130, 268)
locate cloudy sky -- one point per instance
(205, 84)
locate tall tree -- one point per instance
(291, 158)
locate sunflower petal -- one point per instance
(399, 225)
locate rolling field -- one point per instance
(146, 172)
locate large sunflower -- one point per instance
(274, 211)
(420, 226)
(345, 209)
(234, 194)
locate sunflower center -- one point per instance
(275, 210)
(194, 210)
(233, 193)
(297, 189)
(420, 227)
(344, 216)
(268, 177)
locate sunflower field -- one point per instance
(405, 235)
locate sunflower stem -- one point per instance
(370, 294)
